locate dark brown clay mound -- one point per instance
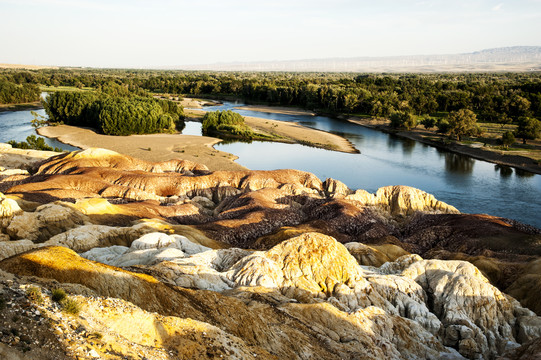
(474, 235)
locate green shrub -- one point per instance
(226, 123)
(58, 295)
(428, 123)
(402, 119)
(35, 143)
(71, 306)
(443, 126)
(115, 111)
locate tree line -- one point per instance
(502, 98)
(494, 97)
(12, 92)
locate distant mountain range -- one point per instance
(516, 58)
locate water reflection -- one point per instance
(505, 171)
(226, 141)
(408, 146)
(192, 128)
(524, 173)
(392, 142)
(457, 163)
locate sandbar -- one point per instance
(151, 147)
(277, 110)
(290, 132)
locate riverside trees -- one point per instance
(228, 124)
(501, 98)
(528, 128)
(114, 114)
(401, 119)
(13, 93)
(462, 123)
(488, 95)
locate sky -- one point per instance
(165, 33)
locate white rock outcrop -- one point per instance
(448, 304)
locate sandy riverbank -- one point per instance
(277, 110)
(192, 103)
(290, 132)
(21, 106)
(508, 158)
(152, 147)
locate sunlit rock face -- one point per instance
(312, 278)
(279, 263)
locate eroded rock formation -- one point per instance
(314, 280)
(277, 264)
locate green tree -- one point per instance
(401, 119)
(519, 106)
(462, 122)
(528, 128)
(508, 139)
(229, 124)
(503, 120)
(33, 142)
(428, 123)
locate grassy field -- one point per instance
(64, 88)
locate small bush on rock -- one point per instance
(71, 306)
(58, 295)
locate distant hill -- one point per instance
(26, 67)
(516, 58)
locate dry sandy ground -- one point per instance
(30, 67)
(196, 103)
(293, 133)
(277, 110)
(152, 147)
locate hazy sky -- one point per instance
(153, 33)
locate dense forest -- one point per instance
(114, 110)
(14, 90)
(493, 97)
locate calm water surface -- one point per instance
(15, 125)
(472, 186)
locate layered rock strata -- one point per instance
(276, 263)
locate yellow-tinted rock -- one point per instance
(374, 255)
(402, 200)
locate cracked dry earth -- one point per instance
(172, 261)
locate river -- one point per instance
(16, 125)
(471, 185)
